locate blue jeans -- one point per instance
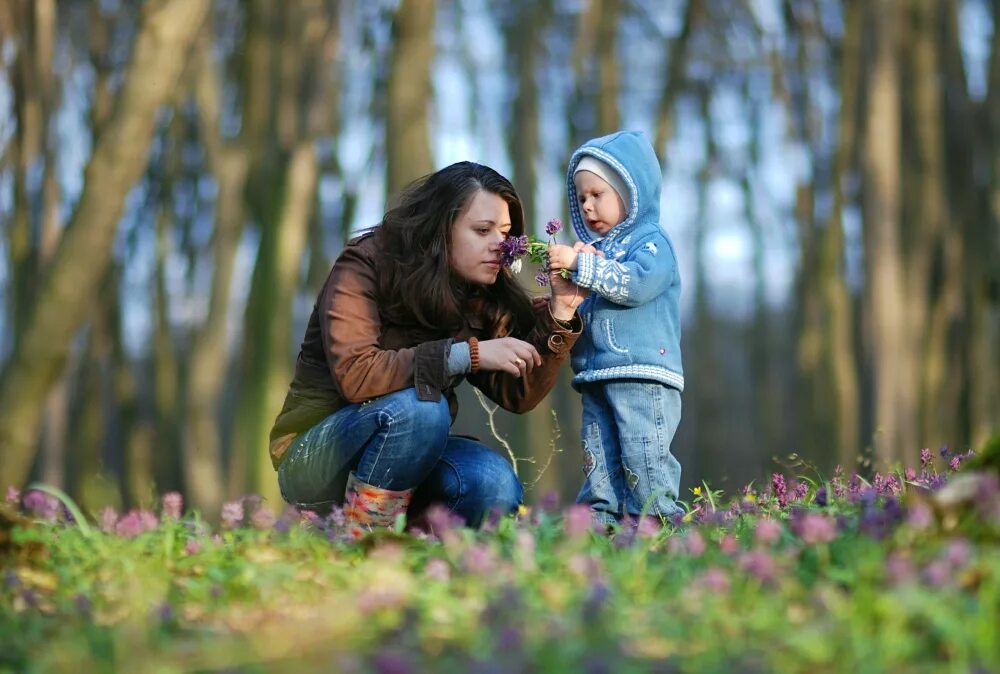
(628, 426)
(398, 442)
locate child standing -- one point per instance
(627, 362)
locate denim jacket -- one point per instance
(631, 318)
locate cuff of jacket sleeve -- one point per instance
(459, 359)
(586, 264)
(561, 334)
(430, 369)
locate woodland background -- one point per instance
(176, 177)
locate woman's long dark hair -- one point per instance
(416, 285)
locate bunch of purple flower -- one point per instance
(513, 248)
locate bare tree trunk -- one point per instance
(940, 302)
(892, 352)
(984, 385)
(408, 148)
(168, 29)
(839, 337)
(677, 59)
(209, 359)
(608, 115)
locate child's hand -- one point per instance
(581, 247)
(561, 257)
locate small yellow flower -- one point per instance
(696, 491)
(688, 517)
(522, 510)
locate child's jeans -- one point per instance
(398, 442)
(628, 426)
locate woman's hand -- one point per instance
(508, 354)
(566, 295)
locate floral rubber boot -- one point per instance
(367, 507)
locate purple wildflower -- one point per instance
(958, 553)
(920, 516)
(263, 518)
(955, 463)
(814, 528)
(801, 490)
(136, 522)
(513, 248)
(714, 579)
(437, 569)
(232, 514)
(480, 559)
(578, 521)
(192, 547)
(821, 498)
(41, 505)
(553, 226)
(729, 545)
(937, 573)
(108, 519)
(911, 474)
(767, 531)
(173, 505)
(760, 564)
(899, 569)
(778, 489)
(648, 527)
(542, 279)
(944, 452)
(925, 457)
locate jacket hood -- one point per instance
(630, 154)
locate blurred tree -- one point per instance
(892, 361)
(168, 29)
(407, 129)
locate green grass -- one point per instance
(889, 578)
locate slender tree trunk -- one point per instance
(839, 337)
(119, 157)
(932, 307)
(984, 385)
(892, 352)
(408, 148)
(677, 59)
(608, 114)
(209, 359)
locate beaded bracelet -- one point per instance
(474, 354)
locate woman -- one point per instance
(409, 310)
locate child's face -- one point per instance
(600, 204)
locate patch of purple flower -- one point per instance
(173, 505)
(42, 505)
(136, 522)
(512, 249)
(553, 226)
(232, 514)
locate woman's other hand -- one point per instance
(508, 354)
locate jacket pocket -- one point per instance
(608, 333)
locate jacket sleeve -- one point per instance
(351, 328)
(553, 340)
(647, 270)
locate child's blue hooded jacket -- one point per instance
(632, 327)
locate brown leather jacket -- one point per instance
(349, 355)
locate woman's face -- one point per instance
(475, 237)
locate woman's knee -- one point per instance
(428, 419)
(492, 487)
